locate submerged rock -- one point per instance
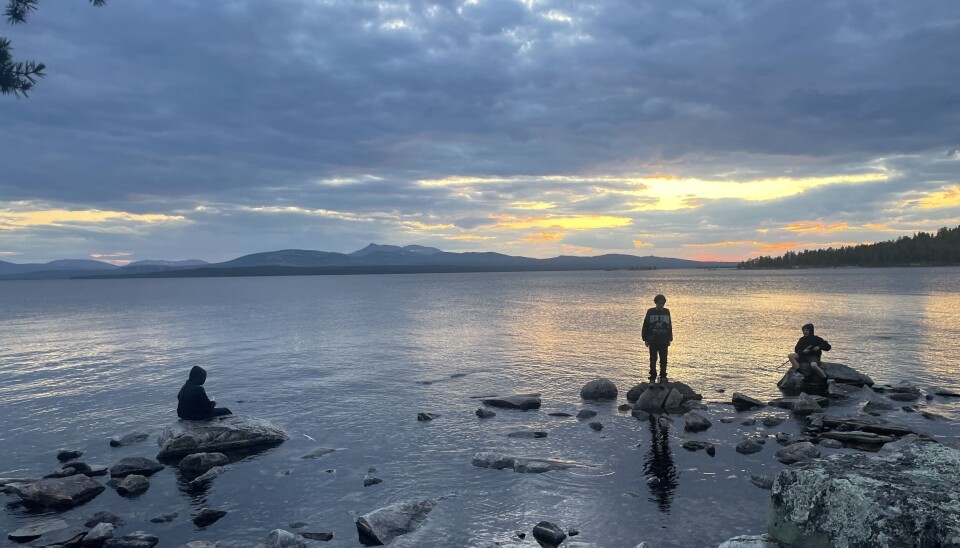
(317, 453)
(128, 439)
(485, 413)
(523, 402)
(763, 482)
(208, 516)
(220, 435)
(385, 524)
(876, 402)
(133, 485)
(105, 517)
(908, 498)
(208, 476)
(742, 401)
(37, 530)
(135, 465)
(137, 539)
(426, 417)
(524, 465)
(599, 389)
(586, 414)
(199, 463)
(64, 455)
(101, 533)
(751, 541)
(60, 493)
(322, 536)
(528, 434)
(802, 404)
(278, 538)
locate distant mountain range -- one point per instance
(373, 259)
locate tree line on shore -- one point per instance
(939, 249)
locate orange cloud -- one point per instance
(417, 225)
(573, 222)
(810, 226)
(12, 220)
(576, 250)
(533, 205)
(467, 237)
(638, 243)
(949, 197)
(545, 236)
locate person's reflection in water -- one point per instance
(658, 467)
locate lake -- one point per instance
(345, 361)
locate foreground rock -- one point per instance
(135, 465)
(218, 436)
(198, 463)
(751, 541)
(599, 389)
(207, 516)
(666, 396)
(279, 538)
(60, 493)
(695, 422)
(133, 485)
(838, 372)
(128, 439)
(742, 401)
(548, 534)
(385, 524)
(797, 452)
(523, 465)
(523, 402)
(37, 530)
(138, 539)
(100, 533)
(908, 498)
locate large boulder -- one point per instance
(523, 402)
(599, 389)
(218, 436)
(845, 374)
(60, 493)
(659, 397)
(907, 498)
(686, 393)
(382, 526)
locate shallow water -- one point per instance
(341, 361)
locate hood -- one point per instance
(198, 375)
(810, 327)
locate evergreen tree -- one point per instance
(18, 77)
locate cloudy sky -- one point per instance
(704, 129)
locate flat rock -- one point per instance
(800, 404)
(559, 414)
(60, 493)
(599, 389)
(207, 517)
(586, 414)
(199, 463)
(200, 544)
(208, 476)
(844, 374)
(165, 518)
(37, 530)
(133, 485)
(830, 444)
(220, 435)
(528, 434)
(797, 452)
(141, 466)
(858, 437)
(383, 525)
(751, 541)
(137, 539)
(523, 402)
(128, 439)
(278, 538)
(318, 452)
(524, 465)
(910, 497)
(322, 536)
(696, 445)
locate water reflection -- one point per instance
(658, 467)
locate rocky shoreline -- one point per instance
(898, 485)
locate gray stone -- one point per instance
(674, 399)
(763, 482)
(943, 392)
(596, 425)
(695, 422)
(323, 536)
(751, 541)
(200, 544)
(858, 437)
(743, 401)
(524, 465)
(165, 518)
(784, 438)
(485, 413)
(128, 439)
(72, 469)
(105, 517)
(60, 493)
(64, 455)
(907, 498)
(653, 398)
(208, 476)
(220, 435)
(100, 533)
(747, 446)
(640, 414)
(523, 402)
(549, 534)
(806, 405)
(384, 525)
(141, 466)
(634, 393)
(696, 445)
(842, 391)
(207, 517)
(138, 539)
(791, 381)
(773, 420)
(199, 463)
(748, 422)
(133, 485)
(528, 434)
(876, 402)
(586, 414)
(427, 417)
(831, 444)
(844, 374)
(599, 389)
(624, 407)
(797, 452)
(278, 538)
(37, 530)
(369, 480)
(318, 452)
(727, 420)
(792, 403)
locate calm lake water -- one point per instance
(340, 362)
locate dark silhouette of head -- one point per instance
(198, 375)
(808, 327)
(659, 300)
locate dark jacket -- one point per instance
(193, 403)
(657, 327)
(805, 345)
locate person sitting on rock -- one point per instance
(193, 403)
(805, 357)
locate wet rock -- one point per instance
(801, 404)
(727, 420)
(548, 533)
(571, 532)
(797, 452)
(903, 391)
(523, 402)
(165, 518)
(317, 453)
(783, 438)
(791, 381)
(72, 469)
(60, 493)
(298, 525)
(876, 402)
(624, 407)
(37, 530)
(278, 538)
(208, 476)
(220, 435)
(841, 391)
(200, 544)
(659, 397)
(751, 541)
(369, 480)
(907, 498)
(559, 414)
(207, 517)
(524, 465)
(640, 414)
(634, 393)
(747, 446)
(596, 425)
(485, 413)
(528, 434)
(426, 417)
(763, 482)
(138, 539)
(831, 444)
(199, 463)
(141, 466)
(65, 455)
(101, 533)
(867, 424)
(742, 401)
(105, 517)
(857, 437)
(844, 374)
(586, 414)
(323, 536)
(384, 525)
(696, 445)
(133, 485)
(695, 422)
(748, 422)
(128, 439)
(773, 420)
(943, 392)
(599, 389)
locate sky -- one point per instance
(711, 130)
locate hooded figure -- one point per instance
(810, 347)
(193, 403)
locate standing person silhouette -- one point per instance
(657, 334)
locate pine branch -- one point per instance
(18, 10)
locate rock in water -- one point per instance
(747, 446)
(207, 516)
(596, 425)
(207, 476)
(520, 401)
(845, 374)
(64, 455)
(133, 485)
(791, 381)
(599, 389)
(806, 405)
(523, 465)
(199, 463)
(219, 435)
(317, 453)
(278, 538)
(323, 536)
(135, 465)
(586, 414)
(742, 401)
(37, 530)
(128, 439)
(528, 434)
(908, 498)
(105, 517)
(695, 422)
(101, 533)
(425, 417)
(763, 482)
(382, 526)
(60, 493)
(797, 452)
(751, 541)
(548, 533)
(485, 413)
(137, 539)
